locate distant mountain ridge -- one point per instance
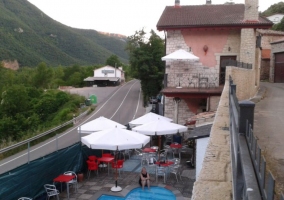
(30, 37)
(113, 34)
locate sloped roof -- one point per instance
(108, 66)
(101, 79)
(277, 41)
(201, 16)
(269, 32)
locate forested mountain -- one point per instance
(277, 8)
(30, 37)
(274, 9)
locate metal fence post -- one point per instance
(246, 114)
(29, 152)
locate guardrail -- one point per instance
(74, 120)
(248, 165)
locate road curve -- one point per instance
(121, 104)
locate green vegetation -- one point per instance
(277, 8)
(30, 37)
(30, 102)
(146, 63)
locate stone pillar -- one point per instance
(176, 100)
(251, 10)
(246, 114)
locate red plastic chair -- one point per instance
(92, 166)
(117, 165)
(92, 158)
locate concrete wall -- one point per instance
(213, 103)
(214, 181)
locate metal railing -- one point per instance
(248, 165)
(236, 63)
(195, 80)
(28, 141)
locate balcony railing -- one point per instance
(196, 80)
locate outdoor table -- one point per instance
(149, 150)
(166, 164)
(155, 147)
(63, 178)
(176, 146)
(107, 160)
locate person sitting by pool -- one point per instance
(144, 178)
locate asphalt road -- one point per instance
(269, 126)
(121, 104)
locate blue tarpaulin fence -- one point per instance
(28, 180)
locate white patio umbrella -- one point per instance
(99, 124)
(149, 117)
(180, 55)
(115, 139)
(160, 127)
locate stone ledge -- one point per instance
(214, 181)
(212, 190)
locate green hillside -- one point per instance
(30, 36)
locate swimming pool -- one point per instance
(156, 193)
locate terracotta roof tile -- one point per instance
(206, 16)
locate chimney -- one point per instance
(208, 2)
(177, 3)
(251, 10)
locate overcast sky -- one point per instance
(117, 16)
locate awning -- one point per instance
(200, 132)
(102, 79)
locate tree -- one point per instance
(43, 76)
(14, 99)
(145, 60)
(274, 9)
(113, 61)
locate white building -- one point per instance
(276, 18)
(106, 76)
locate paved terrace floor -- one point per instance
(101, 184)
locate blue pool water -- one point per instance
(155, 193)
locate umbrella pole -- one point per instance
(116, 188)
(159, 147)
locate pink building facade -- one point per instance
(214, 33)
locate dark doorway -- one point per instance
(223, 63)
(279, 68)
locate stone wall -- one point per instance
(183, 111)
(214, 181)
(242, 78)
(267, 39)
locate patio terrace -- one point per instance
(101, 184)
